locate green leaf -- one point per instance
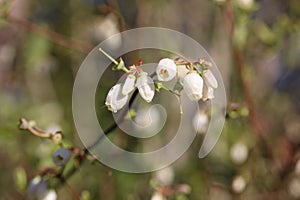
(20, 178)
(264, 33)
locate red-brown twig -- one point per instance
(240, 65)
(59, 39)
(71, 191)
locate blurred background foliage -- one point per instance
(255, 44)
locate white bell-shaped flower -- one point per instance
(145, 86)
(208, 93)
(193, 86)
(115, 100)
(210, 79)
(61, 156)
(200, 122)
(166, 69)
(128, 85)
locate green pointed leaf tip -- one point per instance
(178, 86)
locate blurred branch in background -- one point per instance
(50, 35)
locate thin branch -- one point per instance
(71, 191)
(256, 125)
(59, 39)
(240, 68)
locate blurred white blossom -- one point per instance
(245, 4)
(107, 28)
(239, 153)
(239, 184)
(200, 122)
(50, 195)
(157, 196)
(165, 176)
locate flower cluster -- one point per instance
(200, 83)
(118, 95)
(195, 79)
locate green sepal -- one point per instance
(178, 86)
(158, 86)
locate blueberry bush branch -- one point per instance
(198, 81)
(197, 76)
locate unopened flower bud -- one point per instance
(166, 69)
(210, 79)
(128, 85)
(115, 100)
(61, 156)
(193, 86)
(144, 84)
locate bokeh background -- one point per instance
(256, 46)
